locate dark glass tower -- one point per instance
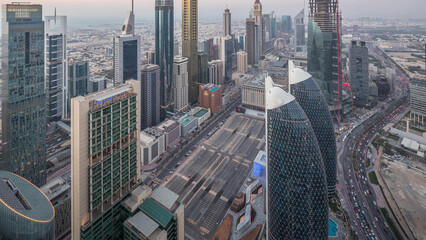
(308, 94)
(164, 54)
(23, 92)
(297, 206)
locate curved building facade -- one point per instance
(310, 97)
(297, 206)
(26, 213)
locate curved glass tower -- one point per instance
(164, 54)
(310, 97)
(297, 206)
(26, 213)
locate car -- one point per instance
(376, 219)
(374, 202)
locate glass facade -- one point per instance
(164, 45)
(26, 213)
(150, 96)
(55, 76)
(309, 96)
(297, 206)
(23, 92)
(130, 60)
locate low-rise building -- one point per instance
(172, 132)
(188, 123)
(202, 114)
(253, 93)
(152, 144)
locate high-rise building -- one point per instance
(358, 72)
(299, 28)
(323, 51)
(216, 72)
(227, 49)
(150, 96)
(211, 97)
(308, 94)
(213, 51)
(242, 62)
(267, 27)
(203, 71)
(227, 23)
(286, 24)
(180, 83)
(241, 43)
(258, 18)
(97, 84)
(273, 25)
(78, 78)
(26, 213)
(127, 52)
(176, 48)
(23, 95)
(296, 196)
(190, 45)
(105, 162)
(164, 41)
(250, 41)
(56, 66)
(418, 100)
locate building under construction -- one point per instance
(324, 50)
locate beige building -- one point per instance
(242, 62)
(253, 93)
(105, 162)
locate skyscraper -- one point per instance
(299, 28)
(273, 25)
(127, 52)
(309, 96)
(190, 45)
(23, 92)
(286, 23)
(150, 96)
(105, 162)
(258, 18)
(164, 40)
(180, 83)
(227, 22)
(78, 79)
(323, 50)
(250, 40)
(242, 62)
(297, 206)
(418, 100)
(267, 27)
(227, 49)
(358, 72)
(56, 66)
(203, 71)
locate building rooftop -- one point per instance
(25, 199)
(165, 197)
(201, 113)
(142, 223)
(261, 158)
(156, 212)
(56, 188)
(275, 96)
(186, 119)
(168, 125)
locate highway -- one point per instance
(356, 193)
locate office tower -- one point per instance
(308, 94)
(164, 41)
(189, 45)
(211, 97)
(241, 43)
(296, 196)
(226, 57)
(23, 92)
(127, 52)
(299, 28)
(212, 72)
(418, 100)
(26, 213)
(258, 18)
(176, 48)
(150, 96)
(267, 27)
(227, 22)
(286, 24)
(204, 46)
(242, 62)
(358, 73)
(203, 71)
(273, 25)
(150, 55)
(105, 162)
(78, 78)
(323, 50)
(97, 84)
(180, 83)
(56, 66)
(250, 41)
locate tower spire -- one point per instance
(55, 15)
(133, 6)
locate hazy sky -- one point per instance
(79, 11)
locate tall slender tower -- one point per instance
(227, 22)
(180, 83)
(258, 18)
(164, 54)
(299, 31)
(308, 94)
(56, 66)
(297, 206)
(250, 41)
(23, 92)
(190, 45)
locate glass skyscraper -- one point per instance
(164, 44)
(297, 206)
(308, 94)
(23, 92)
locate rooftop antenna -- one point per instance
(133, 6)
(55, 15)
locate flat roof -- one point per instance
(156, 212)
(165, 197)
(143, 224)
(168, 125)
(201, 113)
(213, 89)
(261, 158)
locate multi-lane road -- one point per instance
(355, 190)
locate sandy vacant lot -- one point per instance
(409, 190)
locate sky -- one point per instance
(114, 11)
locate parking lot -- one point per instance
(208, 181)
